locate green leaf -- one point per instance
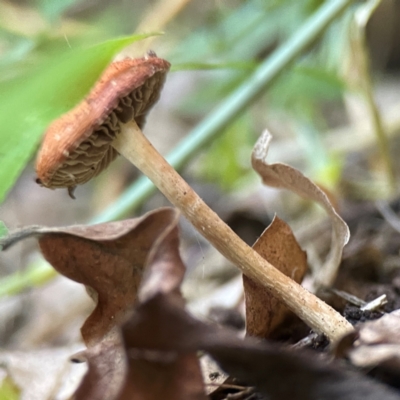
(30, 102)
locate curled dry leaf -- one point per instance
(264, 312)
(283, 176)
(108, 258)
(139, 374)
(162, 327)
(378, 343)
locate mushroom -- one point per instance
(80, 144)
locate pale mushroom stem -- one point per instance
(134, 146)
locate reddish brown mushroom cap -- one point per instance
(77, 146)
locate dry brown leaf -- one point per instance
(164, 267)
(155, 375)
(264, 312)
(378, 343)
(158, 375)
(141, 374)
(283, 176)
(109, 258)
